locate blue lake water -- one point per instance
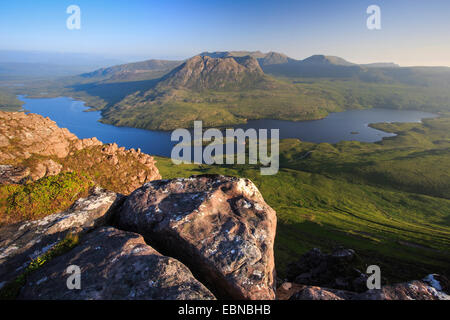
(70, 114)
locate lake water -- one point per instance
(347, 125)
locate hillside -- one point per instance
(203, 72)
(219, 91)
(132, 71)
(389, 200)
(231, 87)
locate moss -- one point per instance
(43, 197)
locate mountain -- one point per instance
(380, 65)
(133, 71)
(272, 58)
(230, 87)
(263, 58)
(224, 54)
(204, 72)
(316, 66)
(321, 60)
(219, 91)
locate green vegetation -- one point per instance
(43, 197)
(417, 160)
(284, 98)
(338, 196)
(218, 108)
(148, 95)
(9, 102)
(11, 290)
(389, 200)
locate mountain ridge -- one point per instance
(204, 72)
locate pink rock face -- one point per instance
(318, 293)
(207, 72)
(51, 150)
(22, 242)
(220, 227)
(115, 265)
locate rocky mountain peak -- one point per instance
(204, 72)
(274, 58)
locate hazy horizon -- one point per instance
(138, 58)
(413, 32)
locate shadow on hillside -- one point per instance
(112, 93)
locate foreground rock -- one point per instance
(414, 290)
(318, 293)
(22, 242)
(220, 227)
(115, 265)
(337, 270)
(33, 147)
(321, 276)
(294, 291)
(23, 135)
(13, 175)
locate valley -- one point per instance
(229, 88)
(386, 195)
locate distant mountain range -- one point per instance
(36, 64)
(271, 62)
(279, 64)
(230, 87)
(143, 69)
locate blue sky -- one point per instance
(414, 32)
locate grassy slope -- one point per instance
(219, 108)
(123, 101)
(9, 102)
(417, 160)
(406, 233)
(294, 100)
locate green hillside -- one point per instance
(390, 201)
(231, 87)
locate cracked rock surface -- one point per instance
(115, 264)
(22, 242)
(220, 227)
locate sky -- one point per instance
(413, 32)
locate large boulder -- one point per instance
(220, 227)
(115, 264)
(21, 243)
